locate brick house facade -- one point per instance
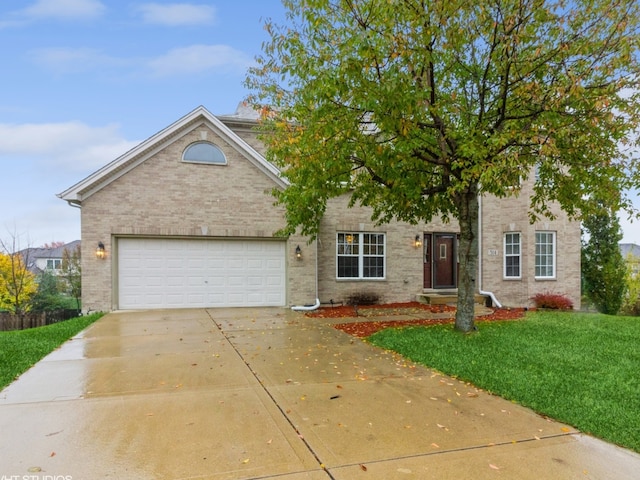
(198, 232)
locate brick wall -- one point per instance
(164, 196)
(509, 215)
(404, 262)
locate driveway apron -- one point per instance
(269, 393)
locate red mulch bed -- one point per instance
(368, 326)
(342, 311)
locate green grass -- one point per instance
(580, 369)
(21, 349)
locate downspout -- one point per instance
(493, 298)
(308, 308)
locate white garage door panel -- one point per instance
(155, 273)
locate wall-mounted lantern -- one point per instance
(417, 242)
(298, 252)
(100, 251)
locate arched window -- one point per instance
(204, 152)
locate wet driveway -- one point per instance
(268, 393)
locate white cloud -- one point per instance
(43, 159)
(182, 61)
(74, 60)
(199, 58)
(177, 14)
(65, 9)
(71, 146)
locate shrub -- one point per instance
(363, 298)
(553, 301)
(631, 300)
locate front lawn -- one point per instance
(581, 369)
(21, 349)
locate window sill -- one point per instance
(354, 279)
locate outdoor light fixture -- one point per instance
(298, 252)
(100, 251)
(417, 243)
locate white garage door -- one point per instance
(172, 273)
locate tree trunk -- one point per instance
(468, 258)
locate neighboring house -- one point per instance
(186, 219)
(43, 259)
(631, 254)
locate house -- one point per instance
(47, 259)
(186, 219)
(631, 254)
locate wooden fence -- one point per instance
(9, 321)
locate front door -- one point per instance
(440, 260)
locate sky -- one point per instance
(84, 81)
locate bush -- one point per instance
(50, 295)
(363, 298)
(552, 301)
(631, 300)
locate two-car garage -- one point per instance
(191, 273)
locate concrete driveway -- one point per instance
(268, 393)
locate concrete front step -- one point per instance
(446, 298)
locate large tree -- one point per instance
(417, 107)
(17, 284)
(604, 275)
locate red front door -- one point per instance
(440, 260)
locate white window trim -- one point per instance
(56, 264)
(553, 254)
(361, 256)
(504, 257)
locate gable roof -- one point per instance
(137, 155)
(55, 252)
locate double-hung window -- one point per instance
(360, 255)
(512, 255)
(545, 263)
